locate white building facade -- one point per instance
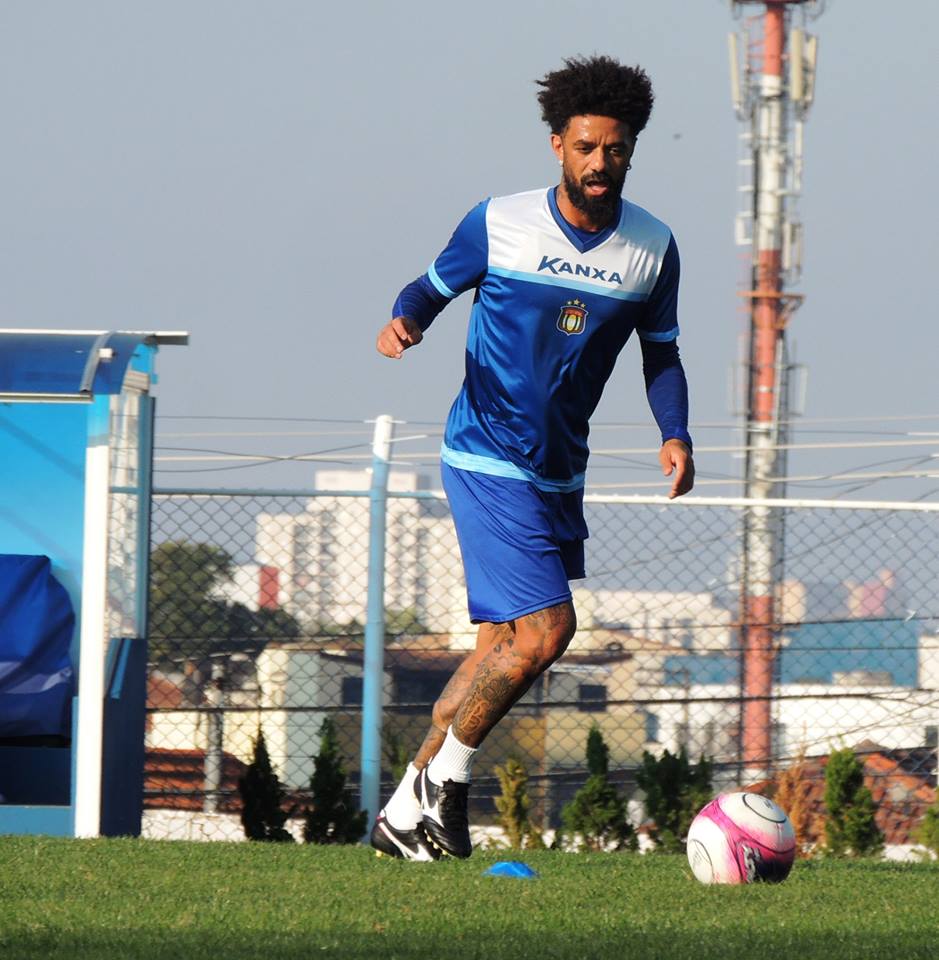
(319, 558)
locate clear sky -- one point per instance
(268, 175)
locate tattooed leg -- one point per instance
(488, 636)
(509, 669)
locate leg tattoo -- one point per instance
(491, 636)
(510, 668)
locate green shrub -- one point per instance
(397, 756)
(514, 806)
(793, 794)
(598, 814)
(333, 816)
(262, 799)
(598, 753)
(675, 791)
(928, 832)
(850, 827)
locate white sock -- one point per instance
(453, 761)
(403, 810)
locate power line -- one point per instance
(240, 417)
(265, 433)
(744, 448)
(600, 425)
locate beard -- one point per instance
(600, 209)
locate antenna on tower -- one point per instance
(803, 55)
(736, 94)
(811, 58)
(797, 65)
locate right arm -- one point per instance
(460, 266)
(413, 312)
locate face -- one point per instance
(594, 152)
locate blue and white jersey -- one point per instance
(550, 315)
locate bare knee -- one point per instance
(548, 632)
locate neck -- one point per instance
(577, 217)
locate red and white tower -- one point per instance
(772, 81)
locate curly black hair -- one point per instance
(595, 85)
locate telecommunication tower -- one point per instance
(772, 72)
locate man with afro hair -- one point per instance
(561, 277)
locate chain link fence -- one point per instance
(258, 603)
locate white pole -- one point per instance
(373, 668)
(93, 634)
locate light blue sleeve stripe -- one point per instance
(659, 336)
(441, 287)
(502, 468)
(567, 284)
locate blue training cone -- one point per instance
(511, 868)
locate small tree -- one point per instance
(397, 755)
(332, 816)
(850, 827)
(793, 789)
(186, 610)
(598, 753)
(183, 608)
(262, 799)
(597, 813)
(928, 832)
(514, 806)
(675, 791)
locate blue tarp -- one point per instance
(36, 626)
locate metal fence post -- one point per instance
(215, 738)
(375, 620)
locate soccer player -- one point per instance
(561, 277)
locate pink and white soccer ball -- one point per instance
(741, 838)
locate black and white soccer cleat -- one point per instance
(444, 814)
(403, 844)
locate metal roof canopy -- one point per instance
(76, 436)
(70, 366)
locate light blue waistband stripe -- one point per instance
(559, 281)
(442, 288)
(660, 336)
(503, 468)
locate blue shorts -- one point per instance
(520, 545)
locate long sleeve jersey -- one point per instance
(552, 309)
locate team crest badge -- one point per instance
(573, 317)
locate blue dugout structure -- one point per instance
(76, 444)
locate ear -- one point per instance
(557, 146)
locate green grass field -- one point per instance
(127, 899)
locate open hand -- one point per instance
(675, 456)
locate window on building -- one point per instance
(352, 691)
(419, 687)
(932, 736)
(591, 697)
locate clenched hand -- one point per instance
(397, 336)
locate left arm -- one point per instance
(666, 386)
(667, 391)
